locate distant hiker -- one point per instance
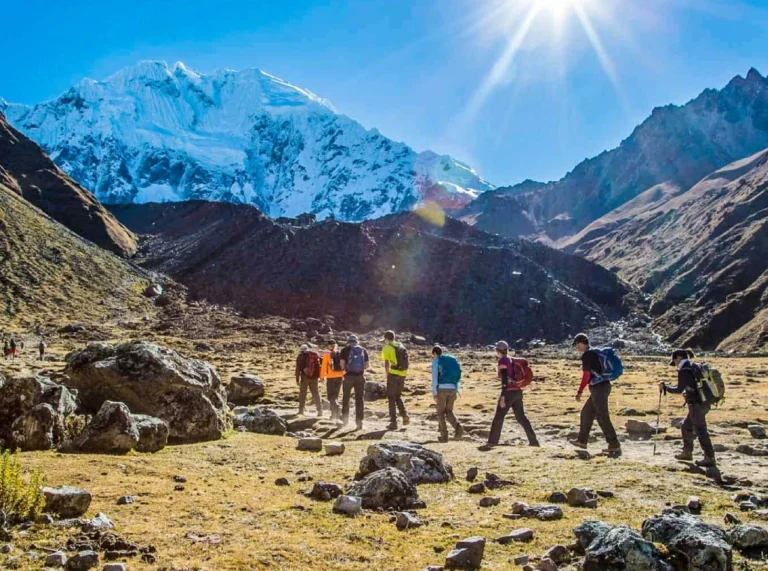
(41, 349)
(6, 349)
(446, 375)
(396, 361)
(511, 398)
(332, 374)
(355, 361)
(307, 375)
(12, 348)
(597, 378)
(689, 384)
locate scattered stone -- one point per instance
(751, 450)
(83, 561)
(578, 497)
(489, 501)
(334, 448)
(619, 548)
(546, 564)
(744, 537)
(407, 520)
(374, 391)
(468, 554)
(261, 421)
(98, 523)
(312, 444)
(325, 492)
(67, 502)
(701, 545)
(543, 513)
(557, 498)
(629, 411)
(348, 505)
(747, 506)
(126, 500)
(245, 389)
(605, 494)
(583, 454)
(434, 568)
(757, 431)
(7, 548)
(731, 519)
(521, 560)
(153, 433)
(282, 482)
(418, 463)
(640, 430)
(387, 488)
(44, 519)
(694, 505)
(559, 554)
(56, 559)
(114, 567)
(519, 535)
(472, 474)
(477, 488)
(180, 479)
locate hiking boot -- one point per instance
(442, 439)
(459, 433)
(534, 444)
(406, 420)
(486, 447)
(392, 426)
(578, 444)
(612, 450)
(684, 456)
(707, 462)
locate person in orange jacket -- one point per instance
(332, 373)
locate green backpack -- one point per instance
(712, 384)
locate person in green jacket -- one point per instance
(395, 357)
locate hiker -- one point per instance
(694, 426)
(596, 406)
(446, 375)
(395, 357)
(307, 376)
(12, 348)
(41, 349)
(6, 349)
(511, 398)
(332, 374)
(355, 361)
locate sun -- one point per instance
(558, 8)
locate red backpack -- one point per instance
(523, 373)
(312, 365)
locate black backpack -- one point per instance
(336, 361)
(403, 361)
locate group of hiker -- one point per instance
(13, 347)
(344, 371)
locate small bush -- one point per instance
(21, 498)
(74, 424)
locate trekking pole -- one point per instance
(658, 418)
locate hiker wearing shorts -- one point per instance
(446, 375)
(596, 407)
(307, 376)
(332, 374)
(355, 361)
(695, 424)
(395, 357)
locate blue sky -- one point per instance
(418, 70)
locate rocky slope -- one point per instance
(26, 170)
(701, 253)
(159, 133)
(675, 147)
(450, 281)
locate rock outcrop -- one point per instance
(418, 463)
(691, 541)
(617, 548)
(386, 489)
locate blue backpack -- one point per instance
(356, 364)
(449, 370)
(613, 368)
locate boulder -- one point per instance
(153, 433)
(112, 431)
(99, 522)
(757, 431)
(543, 513)
(348, 505)
(325, 492)
(578, 497)
(245, 389)
(557, 498)
(407, 520)
(261, 421)
(334, 448)
(82, 561)
(153, 290)
(468, 554)
(489, 501)
(691, 541)
(546, 564)
(745, 537)
(312, 444)
(477, 488)
(39, 429)
(472, 474)
(420, 464)
(67, 502)
(185, 393)
(619, 548)
(56, 559)
(386, 489)
(559, 554)
(519, 535)
(374, 391)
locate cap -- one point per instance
(331, 342)
(678, 353)
(502, 346)
(389, 335)
(581, 338)
(304, 348)
(352, 339)
(437, 350)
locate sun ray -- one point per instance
(597, 45)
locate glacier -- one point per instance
(157, 133)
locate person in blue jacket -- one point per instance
(446, 376)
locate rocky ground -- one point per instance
(219, 505)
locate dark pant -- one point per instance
(395, 384)
(596, 407)
(695, 426)
(333, 387)
(445, 400)
(356, 382)
(311, 384)
(512, 400)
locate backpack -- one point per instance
(523, 373)
(613, 368)
(336, 361)
(311, 365)
(356, 362)
(401, 354)
(449, 370)
(711, 381)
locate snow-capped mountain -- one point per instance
(159, 133)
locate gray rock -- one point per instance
(543, 513)
(98, 523)
(757, 431)
(83, 561)
(348, 505)
(521, 560)
(44, 519)
(578, 497)
(489, 501)
(472, 474)
(546, 564)
(468, 554)
(67, 502)
(238, 410)
(261, 421)
(433, 568)
(519, 535)
(282, 482)
(747, 506)
(477, 488)
(420, 464)
(559, 554)
(38, 429)
(325, 492)
(6, 548)
(702, 545)
(126, 500)
(557, 498)
(153, 433)
(374, 391)
(185, 393)
(112, 431)
(591, 503)
(245, 389)
(407, 520)
(744, 537)
(694, 504)
(731, 519)
(640, 430)
(311, 444)
(334, 448)
(56, 559)
(620, 548)
(519, 508)
(748, 450)
(387, 488)
(114, 567)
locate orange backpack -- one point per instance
(523, 373)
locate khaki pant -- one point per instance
(311, 384)
(395, 385)
(445, 401)
(356, 382)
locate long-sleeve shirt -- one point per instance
(590, 366)
(686, 383)
(326, 368)
(436, 379)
